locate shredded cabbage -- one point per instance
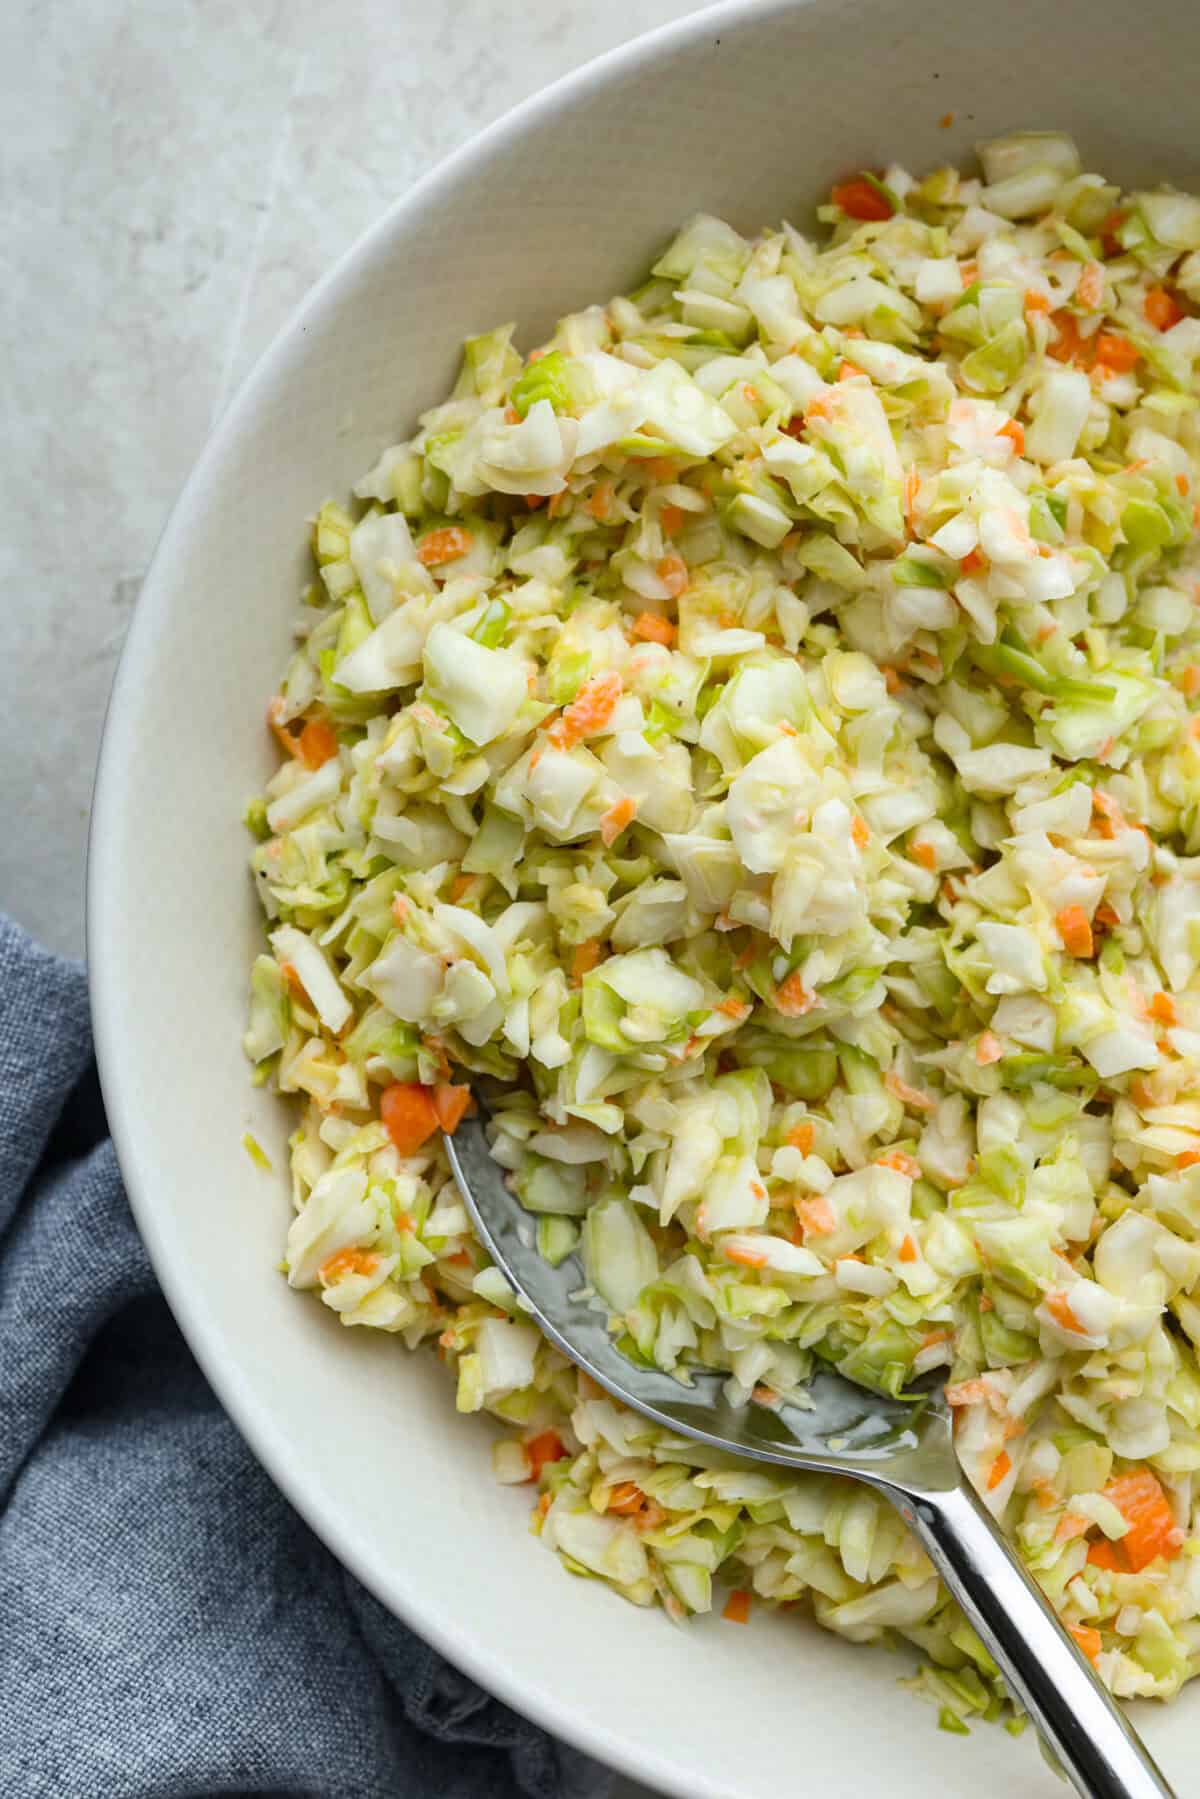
(754, 736)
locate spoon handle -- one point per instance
(1096, 1746)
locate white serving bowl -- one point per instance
(748, 111)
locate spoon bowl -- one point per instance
(903, 1448)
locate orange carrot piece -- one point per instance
(1072, 1525)
(408, 1114)
(451, 1105)
(1163, 1008)
(1103, 1554)
(1116, 352)
(816, 1216)
(732, 1006)
(1189, 680)
(1152, 1529)
(1059, 1307)
(998, 1470)
(588, 712)
(626, 1499)
(1187, 1158)
(1074, 927)
(1162, 309)
(445, 545)
(585, 959)
(860, 200)
(748, 1258)
(792, 997)
(801, 1137)
(988, 1049)
(346, 1261)
(547, 1447)
(1089, 1640)
(653, 629)
(1035, 302)
(909, 1096)
(671, 519)
(1014, 430)
(860, 830)
(672, 571)
(902, 1163)
(924, 854)
(737, 1606)
(316, 743)
(1089, 289)
(908, 1250)
(618, 818)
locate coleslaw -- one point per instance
(756, 734)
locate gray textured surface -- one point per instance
(177, 175)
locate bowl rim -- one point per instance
(244, 1405)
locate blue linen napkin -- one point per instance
(168, 1625)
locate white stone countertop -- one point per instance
(178, 173)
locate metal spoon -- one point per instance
(901, 1449)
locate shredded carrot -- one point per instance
(1108, 230)
(1163, 1008)
(749, 1258)
(445, 545)
(912, 486)
(653, 629)
(908, 1250)
(1035, 302)
(1089, 1640)
(1014, 430)
(1105, 915)
(1162, 309)
(911, 1096)
(671, 519)
(1189, 680)
(973, 560)
(451, 1105)
(988, 1049)
(925, 854)
(891, 677)
(734, 1007)
(617, 819)
(1068, 343)
(902, 1163)
(317, 743)
(1152, 1530)
(626, 1498)
(588, 712)
(672, 571)
(585, 959)
(1072, 1525)
(1089, 289)
(461, 885)
(546, 1447)
(801, 1137)
(599, 501)
(792, 997)
(858, 199)
(847, 370)
(860, 830)
(737, 1606)
(966, 1392)
(968, 272)
(1116, 352)
(1074, 927)
(816, 1216)
(1103, 1554)
(946, 120)
(999, 1470)
(347, 1261)
(1187, 1158)
(1183, 486)
(409, 1115)
(1059, 1307)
